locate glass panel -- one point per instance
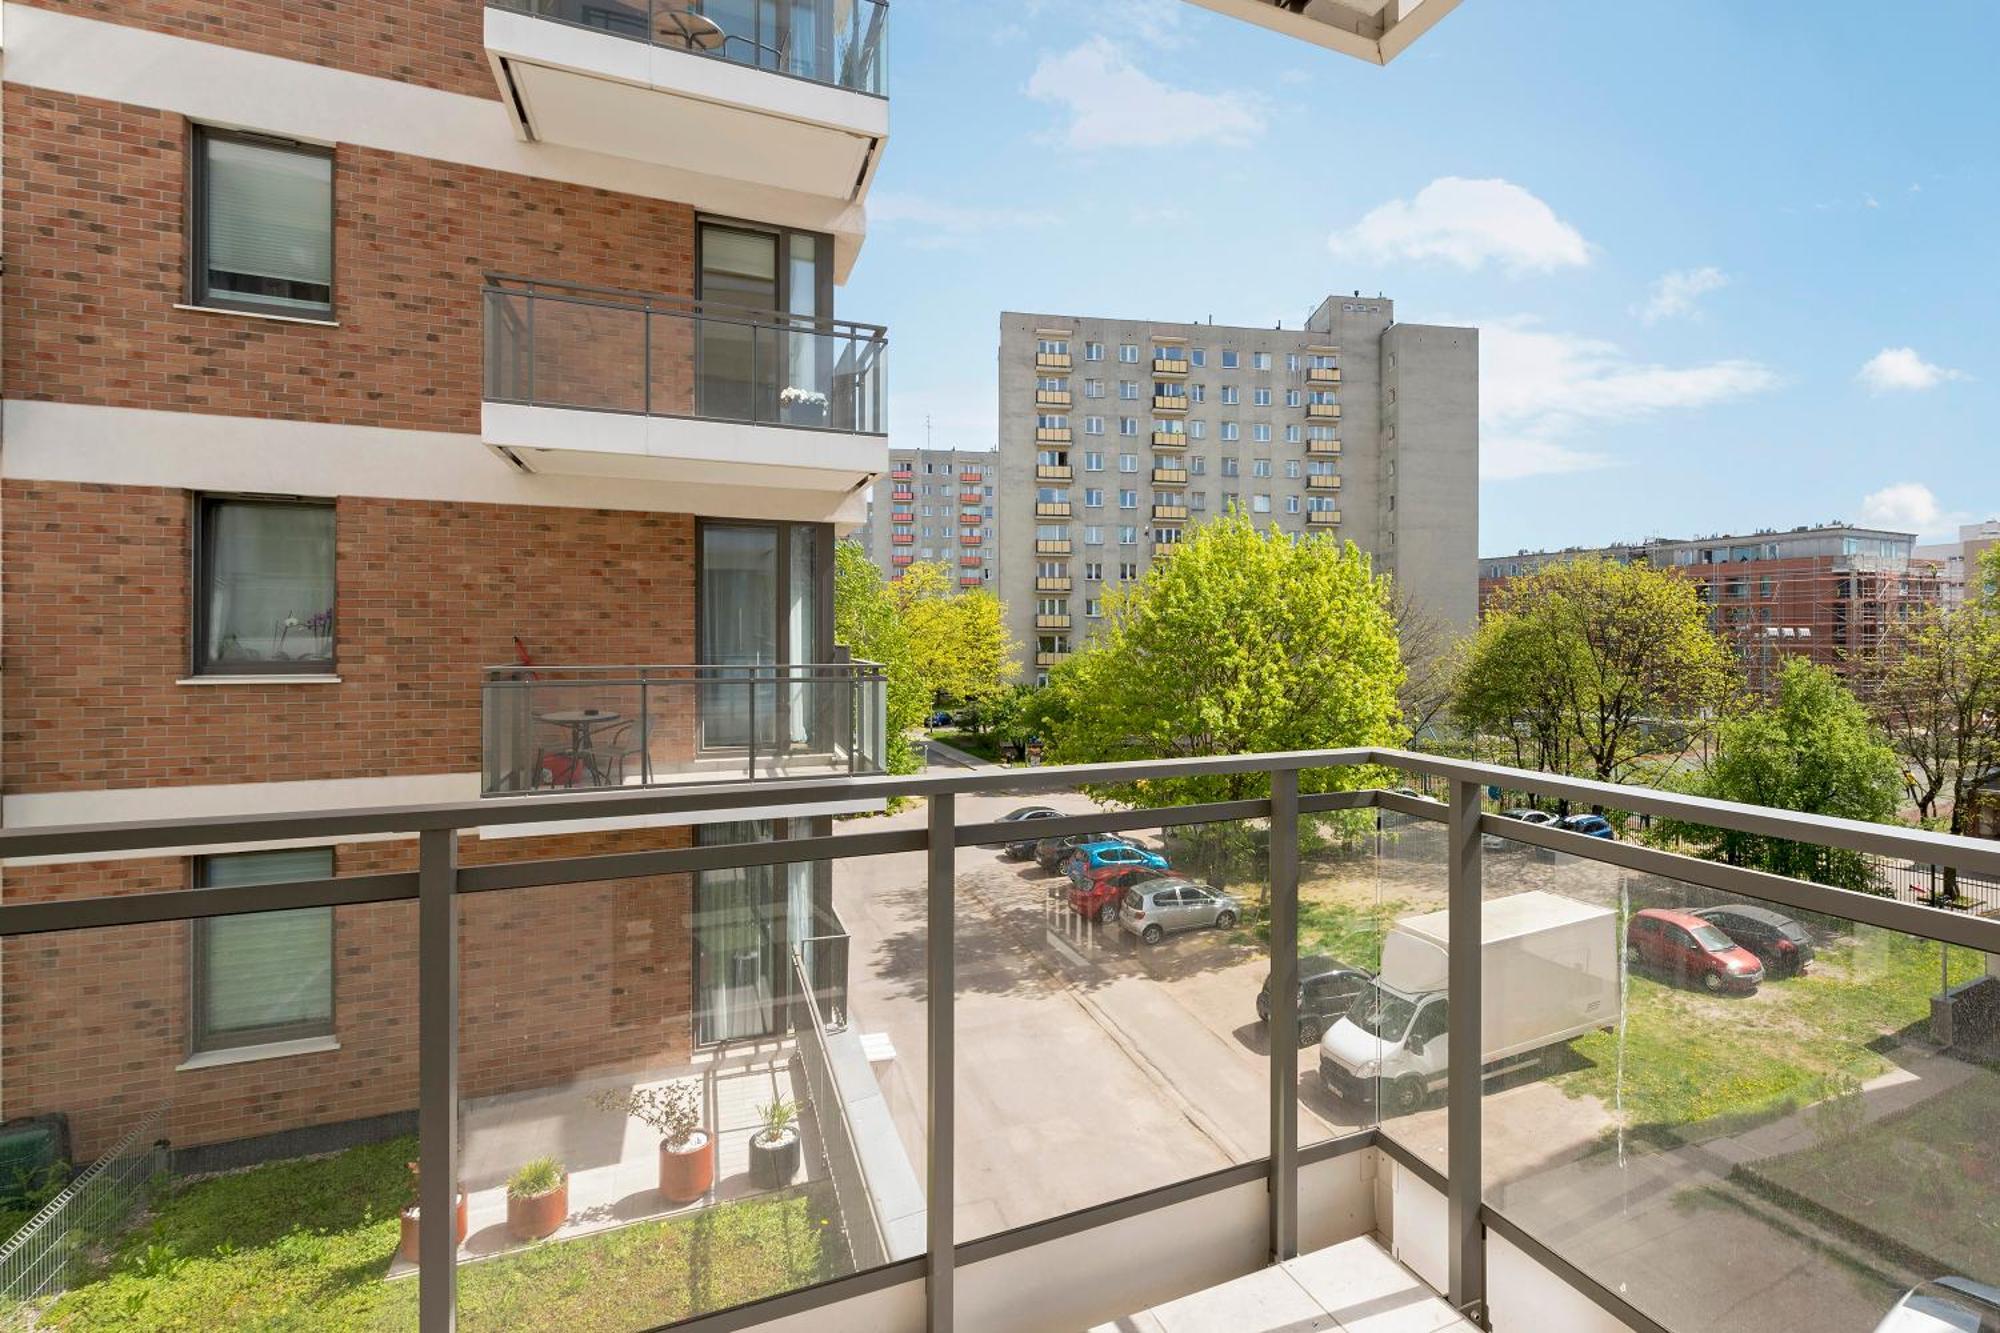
(739, 628)
(270, 224)
(1107, 1033)
(269, 976)
(1781, 1119)
(739, 361)
(270, 570)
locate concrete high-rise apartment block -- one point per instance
(937, 505)
(1116, 435)
(1825, 593)
(417, 407)
(1958, 561)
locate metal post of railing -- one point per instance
(645, 730)
(1465, 1236)
(437, 1079)
(750, 740)
(940, 1090)
(529, 297)
(1283, 1029)
(646, 355)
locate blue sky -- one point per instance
(1734, 268)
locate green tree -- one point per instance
(1934, 685)
(959, 638)
(868, 622)
(1240, 642)
(1814, 749)
(1580, 664)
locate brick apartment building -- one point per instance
(350, 353)
(940, 505)
(1824, 593)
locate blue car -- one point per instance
(1100, 861)
(1590, 826)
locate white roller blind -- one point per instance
(270, 220)
(269, 972)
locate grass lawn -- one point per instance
(1690, 1057)
(1926, 1176)
(980, 745)
(304, 1245)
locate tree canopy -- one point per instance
(1581, 664)
(868, 622)
(1812, 748)
(1934, 685)
(959, 638)
(1239, 642)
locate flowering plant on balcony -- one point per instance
(794, 396)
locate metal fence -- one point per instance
(39, 1259)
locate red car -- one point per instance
(1684, 946)
(1094, 892)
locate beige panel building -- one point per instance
(1117, 435)
(941, 505)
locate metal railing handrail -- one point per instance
(833, 670)
(668, 303)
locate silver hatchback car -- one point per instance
(1152, 909)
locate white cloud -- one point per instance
(1910, 506)
(941, 225)
(1539, 390)
(1675, 293)
(1900, 368)
(1112, 103)
(1466, 223)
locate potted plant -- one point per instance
(687, 1151)
(537, 1199)
(407, 1247)
(774, 1149)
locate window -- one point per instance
(1197, 429)
(1051, 532)
(1093, 498)
(1128, 462)
(1260, 360)
(1229, 361)
(1093, 425)
(1128, 353)
(1049, 569)
(1093, 388)
(1047, 421)
(1094, 570)
(1052, 384)
(1093, 536)
(1052, 495)
(262, 215)
(1261, 432)
(1198, 356)
(1292, 361)
(1292, 468)
(1260, 397)
(1229, 431)
(1128, 571)
(1292, 435)
(1093, 351)
(1052, 606)
(1260, 504)
(1198, 466)
(1166, 536)
(1230, 396)
(1052, 347)
(1291, 504)
(1197, 501)
(1128, 536)
(1169, 427)
(1092, 607)
(1260, 467)
(1128, 425)
(1093, 461)
(1128, 499)
(1198, 393)
(1293, 398)
(1128, 390)
(267, 976)
(1231, 467)
(264, 587)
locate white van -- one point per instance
(1550, 973)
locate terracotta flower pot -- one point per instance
(687, 1172)
(538, 1215)
(407, 1248)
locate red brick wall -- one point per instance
(97, 630)
(555, 984)
(96, 263)
(436, 43)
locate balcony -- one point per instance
(1170, 476)
(1323, 518)
(1052, 472)
(1052, 397)
(971, 477)
(1165, 513)
(903, 496)
(970, 539)
(1052, 360)
(1169, 439)
(1322, 411)
(901, 559)
(1051, 622)
(1052, 546)
(1170, 402)
(715, 401)
(550, 729)
(1323, 376)
(971, 561)
(1323, 448)
(1170, 365)
(1052, 435)
(1051, 509)
(970, 581)
(903, 538)
(902, 516)
(1317, 483)
(1052, 583)
(1569, 1168)
(901, 474)
(1043, 659)
(773, 112)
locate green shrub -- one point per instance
(541, 1176)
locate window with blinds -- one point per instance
(267, 976)
(263, 225)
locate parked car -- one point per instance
(1690, 949)
(1946, 1305)
(1326, 991)
(1526, 816)
(1050, 853)
(941, 718)
(1098, 862)
(1023, 815)
(1781, 944)
(1413, 794)
(1097, 899)
(1152, 909)
(1590, 826)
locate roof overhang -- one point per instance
(1373, 30)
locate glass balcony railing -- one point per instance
(1675, 1088)
(552, 344)
(548, 729)
(843, 43)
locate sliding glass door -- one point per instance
(747, 923)
(765, 590)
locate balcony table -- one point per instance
(582, 724)
(685, 30)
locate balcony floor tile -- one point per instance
(1353, 1287)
